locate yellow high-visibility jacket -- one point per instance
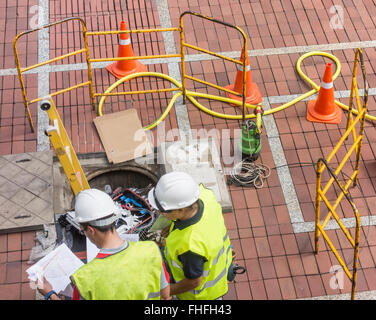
(131, 274)
(207, 238)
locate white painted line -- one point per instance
(365, 295)
(43, 142)
(332, 224)
(171, 49)
(173, 69)
(79, 66)
(283, 171)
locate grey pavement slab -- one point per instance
(26, 189)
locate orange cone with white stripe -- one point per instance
(324, 108)
(252, 92)
(123, 68)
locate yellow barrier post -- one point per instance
(365, 102)
(63, 148)
(318, 201)
(22, 84)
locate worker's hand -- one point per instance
(165, 232)
(44, 286)
(161, 241)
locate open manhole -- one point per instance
(101, 175)
(99, 172)
(127, 176)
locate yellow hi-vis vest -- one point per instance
(208, 238)
(131, 274)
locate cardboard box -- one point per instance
(122, 136)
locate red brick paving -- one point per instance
(280, 264)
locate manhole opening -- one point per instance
(126, 177)
(99, 174)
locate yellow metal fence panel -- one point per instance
(323, 164)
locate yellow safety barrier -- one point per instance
(20, 70)
(324, 163)
(63, 148)
(192, 95)
(182, 86)
(179, 87)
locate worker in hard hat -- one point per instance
(197, 248)
(122, 270)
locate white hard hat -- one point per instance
(94, 204)
(174, 190)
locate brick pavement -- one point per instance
(280, 263)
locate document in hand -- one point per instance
(56, 267)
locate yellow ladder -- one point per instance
(63, 147)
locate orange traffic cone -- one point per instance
(324, 109)
(252, 92)
(123, 68)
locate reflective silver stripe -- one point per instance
(219, 255)
(205, 273)
(125, 42)
(240, 67)
(215, 261)
(152, 295)
(172, 261)
(220, 251)
(175, 264)
(211, 283)
(327, 85)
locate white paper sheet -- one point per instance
(92, 250)
(56, 267)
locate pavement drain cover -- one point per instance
(26, 189)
